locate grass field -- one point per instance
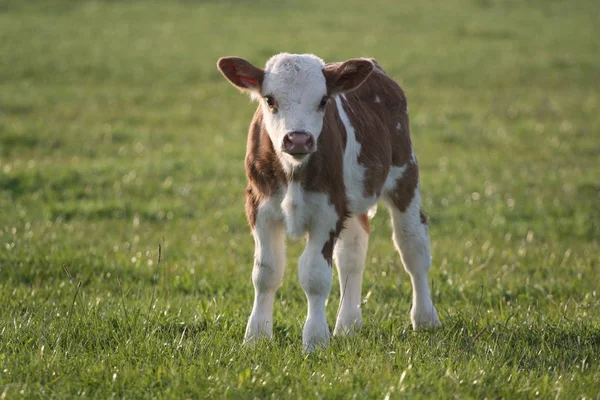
(118, 134)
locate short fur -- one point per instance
(363, 153)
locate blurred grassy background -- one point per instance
(117, 133)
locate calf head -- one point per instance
(293, 91)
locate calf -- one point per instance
(326, 142)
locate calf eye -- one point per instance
(271, 102)
(323, 102)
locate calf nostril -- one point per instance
(288, 140)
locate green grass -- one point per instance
(118, 134)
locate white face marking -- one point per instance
(398, 126)
(354, 173)
(377, 99)
(297, 85)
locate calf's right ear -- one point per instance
(241, 73)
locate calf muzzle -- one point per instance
(298, 143)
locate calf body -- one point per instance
(327, 142)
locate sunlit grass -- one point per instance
(118, 135)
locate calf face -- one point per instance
(293, 94)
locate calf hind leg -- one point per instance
(349, 256)
(411, 239)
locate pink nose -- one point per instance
(297, 143)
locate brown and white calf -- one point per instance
(326, 142)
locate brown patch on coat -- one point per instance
(401, 143)
(263, 168)
(327, 250)
(251, 205)
(394, 99)
(324, 172)
(375, 154)
(404, 191)
(363, 219)
(375, 125)
(396, 138)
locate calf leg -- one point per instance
(315, 275)
(412, 241)
(267, 274)
(349, 255)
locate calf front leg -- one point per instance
(315, 276)
(267, 274)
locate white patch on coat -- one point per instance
(354, 173)
(398, 126)
(270, 208)
(294, 210)
(343, 96)
(307, 211)
(323, 217)
(392, 179)
(377, 99)
(297, 84)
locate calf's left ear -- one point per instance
(347, 76)
(241, 73)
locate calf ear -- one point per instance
(241, 73)
(347, 76)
